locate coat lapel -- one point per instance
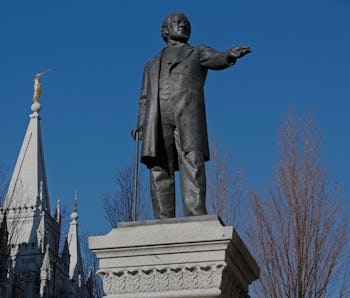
(182, 55)
(185, 51)
(154, 72)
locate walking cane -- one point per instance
(136, 169)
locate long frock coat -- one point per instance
(187, 75)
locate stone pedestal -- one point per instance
(182, 257)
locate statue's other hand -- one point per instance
(136, 131)
(240, 51)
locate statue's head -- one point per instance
(176, 27)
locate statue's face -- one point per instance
(179, 28)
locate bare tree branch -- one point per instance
(224, 187)
(90, 264)
(4, 182)
(119, 206)
(299, 231)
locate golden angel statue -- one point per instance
(37, 85)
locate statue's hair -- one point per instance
(164, 29)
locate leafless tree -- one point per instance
(11, 231)
(90, 264)
(4, 251)
(119, 206)
(224, 187)
(64, 227)
(224, 195)
(4, 182)
(300, 233)
(11, 226)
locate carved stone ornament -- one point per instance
(158, 279)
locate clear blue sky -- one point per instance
(97, 51)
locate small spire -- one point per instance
(75, 265)
(46, 260)
(41, 232)
(74, 216)
(41, 194)
(58, 211)
(75, 209)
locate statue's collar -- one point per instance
(175, 43)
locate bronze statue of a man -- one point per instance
(172, 121)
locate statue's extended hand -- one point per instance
(136, 131)
(239, 51)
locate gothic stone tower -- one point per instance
(32, 264)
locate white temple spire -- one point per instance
(76, 264)
(25, 185)
(29, 249)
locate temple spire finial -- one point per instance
(37, 85)
(75, 201)
(75, 215)
(75, 208)
(36, 106)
